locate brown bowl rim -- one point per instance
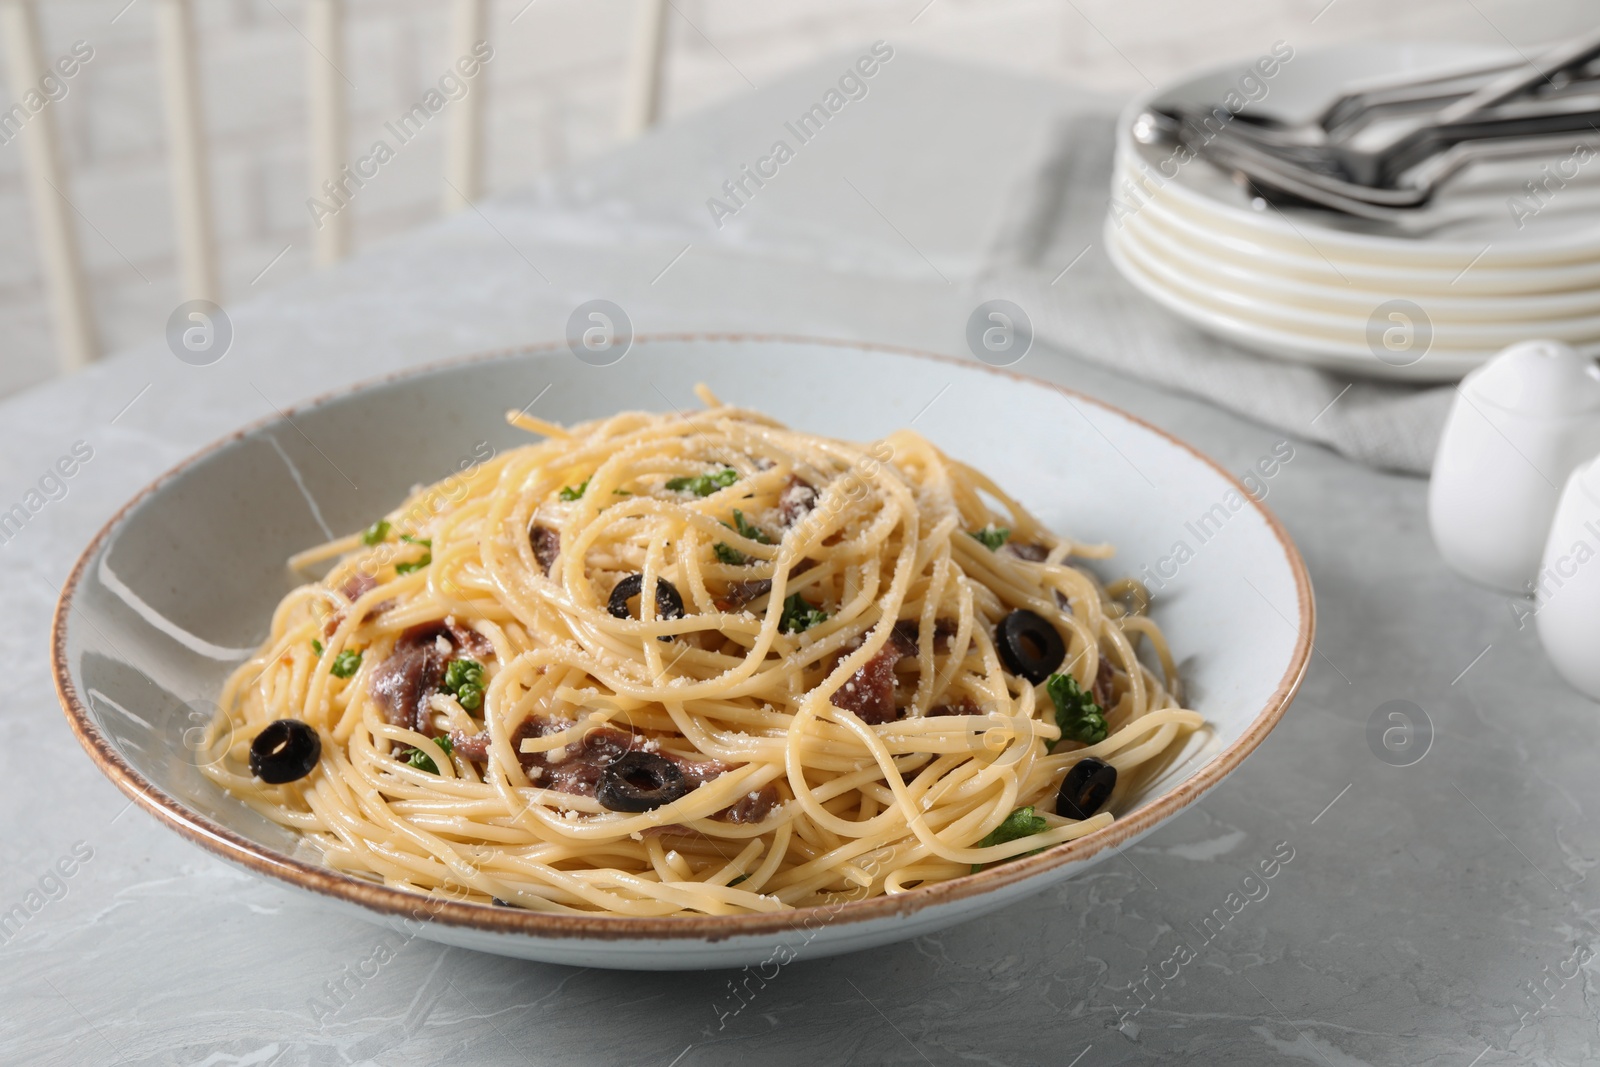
(403, 904)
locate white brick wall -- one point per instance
(554, 96)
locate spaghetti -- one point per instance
(663, 664)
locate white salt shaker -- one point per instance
(1519, 425)
(1568, 583)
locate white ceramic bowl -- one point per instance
(1310, 260)
(1267, 282)
(180, 584)
(1305, 285)
(1346, 352)
(1334, 314)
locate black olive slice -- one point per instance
(640, 781)
(1085, 788)
(1029, 646)
(669, 605)
(285, 751)
(546, 545)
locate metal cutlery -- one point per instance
(1370, 154)
(1264, 178)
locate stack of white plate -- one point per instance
(1490, 262)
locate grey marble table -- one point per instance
(1437, 913)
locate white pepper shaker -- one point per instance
(1568, 583)
(1519, 425)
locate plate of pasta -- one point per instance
(736, 650)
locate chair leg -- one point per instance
(191, 180)
(330, 231)
(77, 340)
(463, 161)
(641, 104)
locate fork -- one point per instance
(1376, 174)
(1380, 159)
(1351, 112)
(1263, 176)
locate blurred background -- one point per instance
(564, 84)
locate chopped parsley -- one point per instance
(574, 492)
(990, 537)
(748, 530)
(414, 565)
(799, 616)
(376, 533)
(728, 554)
(423, 762)
(704, 484)
(316, 646)
(736, 881)
(1079, 717)
(464, 679)
(345, 664)
(1019, 824)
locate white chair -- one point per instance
(49, 192)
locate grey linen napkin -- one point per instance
(1049, 251)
